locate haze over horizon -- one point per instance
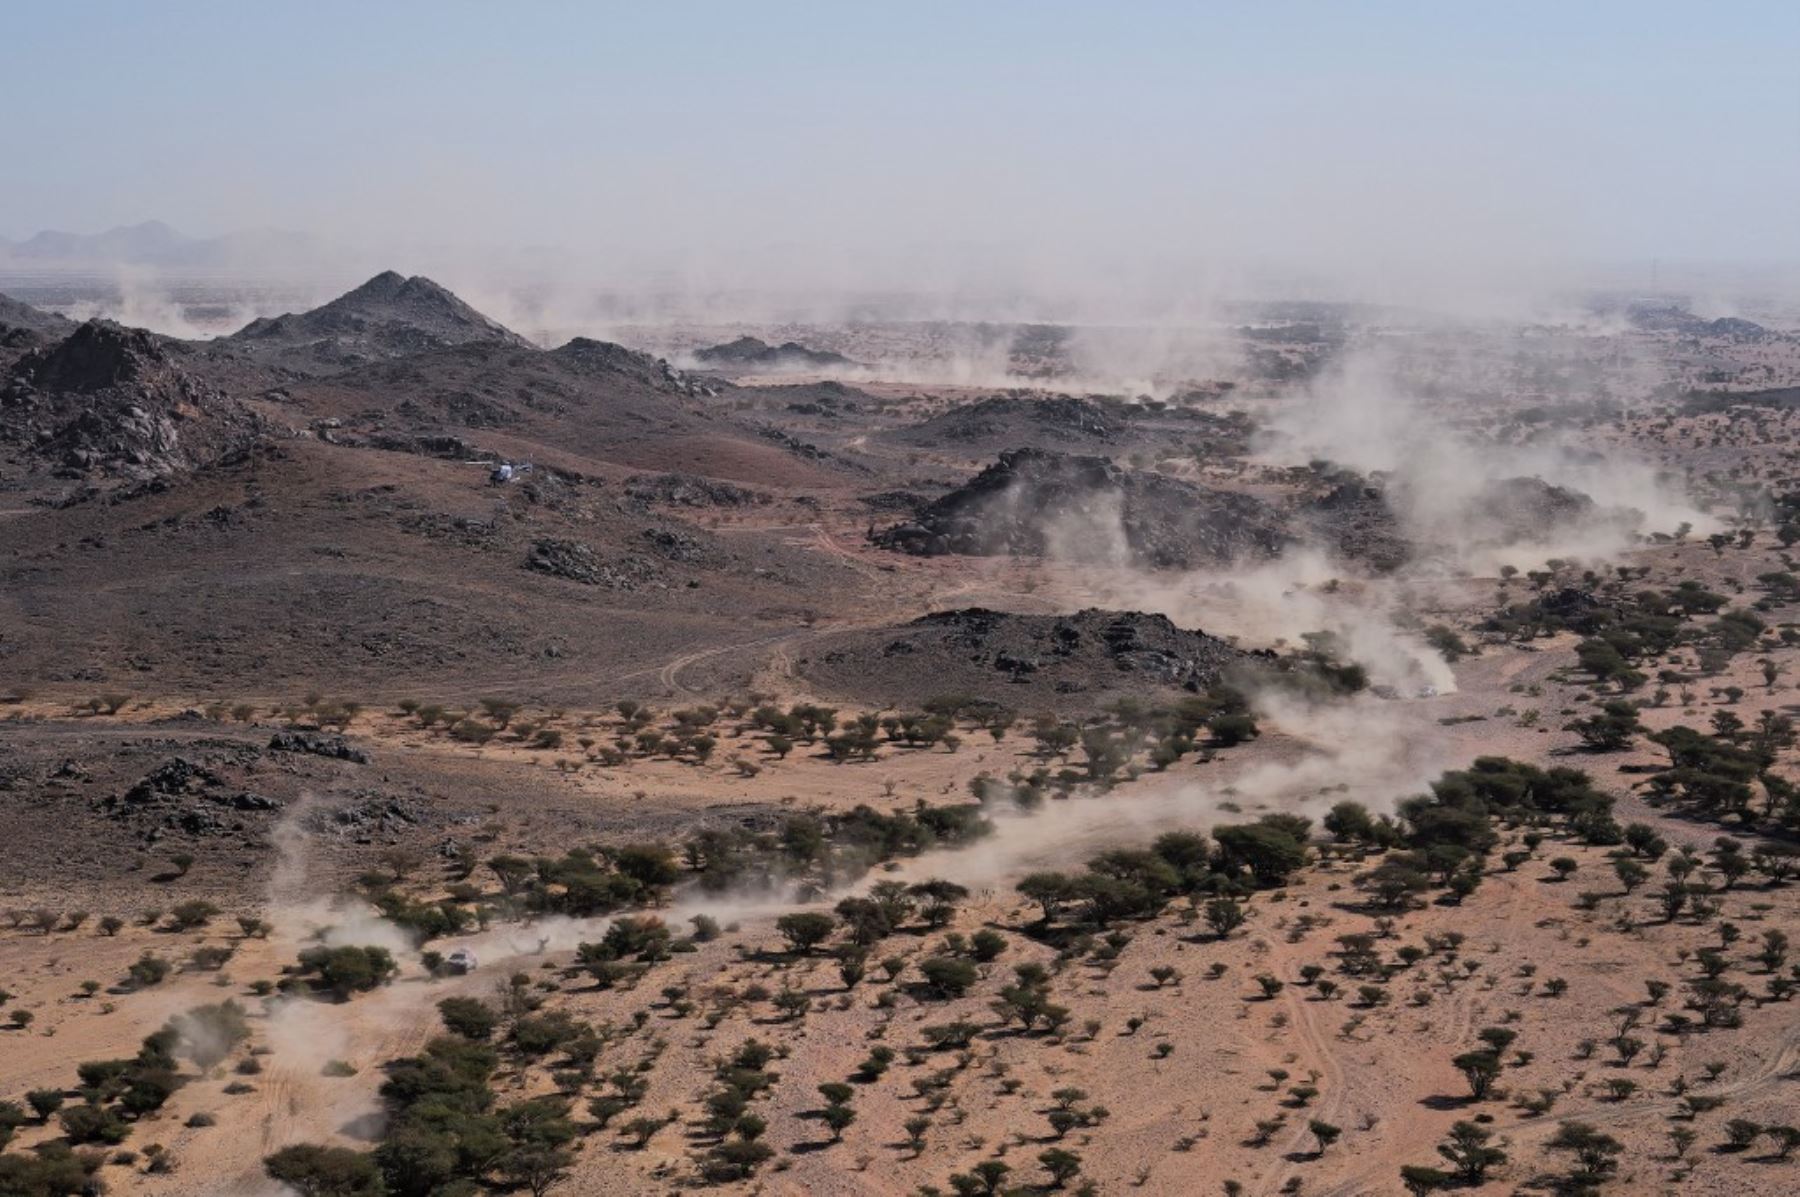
(1393, 151)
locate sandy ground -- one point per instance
(1179, 1122)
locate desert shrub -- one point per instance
(1270, 850)
(318, 1171)
(1596, 1153)
(348, 969)
(93, 1124)
(947, 976)
(986, 945)
(196, 912)
(540, 1034)
(148, 969)
(211, 957)
(12, 1117)
(469, 1017)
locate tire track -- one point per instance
(1335, 1086)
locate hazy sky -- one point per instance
(886, 141)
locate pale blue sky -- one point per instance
(844, 137)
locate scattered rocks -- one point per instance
(564, 559)
(69, 770)
(460, 529)
(688, 490)
(894, 500)
(675, 546)
(441, 445)
(575, 562)
(793, 444)
(370, 818)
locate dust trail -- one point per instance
(304, 1034)
(300, 914)
(1362, 748)
(562, 933)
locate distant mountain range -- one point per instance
(155, 244)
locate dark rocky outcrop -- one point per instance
(1074, 423)
(1355, 521)
(1037, 503)
(1360, 518)
(1054, 659)
(175, 777)
(591, 358)
(317, 744)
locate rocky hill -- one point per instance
(1023, 422)
(111, 402)
(1027, 661)
(1071, 423)
(388, 317)
(753, 354)
(584, 406)
(1043, 504)
(22, 325)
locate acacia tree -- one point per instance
(1481, 1069)
(1224, 915)
(1421, 1179)
(1468, 1151)
(1061, 1164)
(1596, 1153)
